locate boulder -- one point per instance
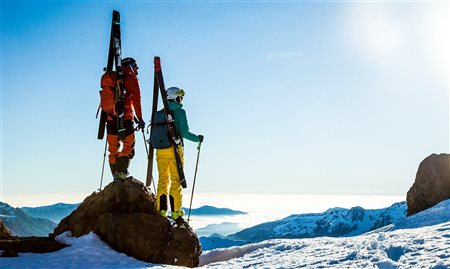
(123, 216)
(432, 183)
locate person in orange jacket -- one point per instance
(119, 161)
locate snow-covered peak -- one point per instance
(333, 222)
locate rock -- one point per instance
(432, 184)
(123, 216)
(4, 232)
(14, 245)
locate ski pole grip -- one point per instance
(157, 62)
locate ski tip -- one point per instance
(157, 62)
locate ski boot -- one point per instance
(120, 176)
(121, 172)
(163, 213)
(178, 214)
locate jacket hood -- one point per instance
(174, 106)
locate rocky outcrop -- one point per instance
(432, 183)
(4, 232)
(123, 216)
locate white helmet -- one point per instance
(173, 93)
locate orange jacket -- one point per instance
(132, 95)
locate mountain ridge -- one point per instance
(21, 224)
(334, 222)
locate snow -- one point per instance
(420, 241)
(426, 247)
(86, 251)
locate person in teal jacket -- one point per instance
(169, 181)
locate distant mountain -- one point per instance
(334, 222)
(224, 228)
(218, 241)
(54, 212)
(21, 224)
(211, 210)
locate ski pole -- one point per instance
(146, 149)
(145, 141)
(195, 176)
(103, 166)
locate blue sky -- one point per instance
(297, 97)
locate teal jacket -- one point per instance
(181, 122)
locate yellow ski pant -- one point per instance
(169, 180)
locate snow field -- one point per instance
(427, 247)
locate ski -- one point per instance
(174, 137)
(120, 90)
(150, 156)
(109, 67)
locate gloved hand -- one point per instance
(201, 137)
(141, 124)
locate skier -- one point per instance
(169, 180)
(120, 160)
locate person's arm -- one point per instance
(183, 127)
(132, 84)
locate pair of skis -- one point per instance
(115, 59)
(174, 137)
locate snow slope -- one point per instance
(410, 243)
(426, 247)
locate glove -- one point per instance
(141, 124)
(201, 137)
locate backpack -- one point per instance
(159, 136)
(108, 93)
